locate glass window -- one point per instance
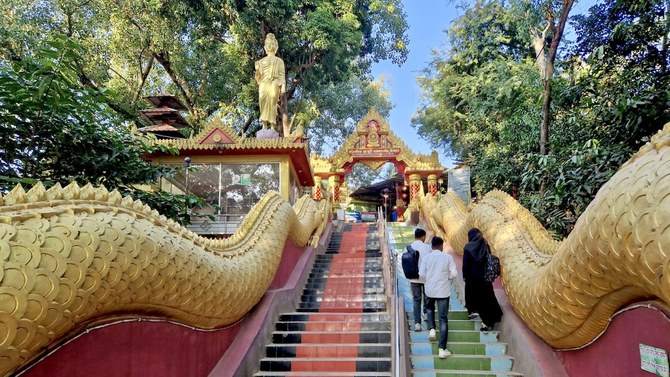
(229, 189)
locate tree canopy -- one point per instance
(203, 51)
(73, 75)
(483, 99)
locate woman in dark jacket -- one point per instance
(479, 297)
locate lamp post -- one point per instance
(187, 164)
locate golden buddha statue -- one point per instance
(271, 79)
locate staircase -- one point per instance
(473, 353)
(341, 327)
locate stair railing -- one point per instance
(400, 342)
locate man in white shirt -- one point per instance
(436, 270)
(424, 249)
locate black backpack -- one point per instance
(492, 268)
(410, 263)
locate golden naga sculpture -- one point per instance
(72, 256)
(618, 252)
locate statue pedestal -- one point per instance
(267, 134)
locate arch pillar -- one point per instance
(317, 193)
(432, 184)
(334, 188)
(414, 187)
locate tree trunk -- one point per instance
(538, 41)
(557, 34)
(246, 125)
(546, 116)
(143, 79)
(164, 60)
(286, 126)
(664, 48)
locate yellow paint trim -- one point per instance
(220, 159)
(284, 180)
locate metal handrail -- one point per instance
(398, 347)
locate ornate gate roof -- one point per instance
(374, 144)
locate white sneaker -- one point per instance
(473, 315)
(432, 335)
(417, 327)
(443, 353)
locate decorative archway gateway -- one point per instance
(374, 144)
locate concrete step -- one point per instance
(461, 348)
(324, 337)
(355, 296)
(342, 326)
(323, 374)
(458, 336)
(463, 362)
(345, 364)
(454, 324)
(330, 317)
(462, 373)
(328, 350)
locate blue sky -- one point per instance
(427, 21)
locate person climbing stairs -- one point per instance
(473, 352)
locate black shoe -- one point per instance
(473, 315)
(485, 329)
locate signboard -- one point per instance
(459, 183)
(654, 360)
(245, 179)
(377, 152)
(242, 179)
(368, 217)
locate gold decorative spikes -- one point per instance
(618, 252)
(70, 256)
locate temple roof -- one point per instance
(373, 144)
(166, 113)
(217, 139)
(165, 130)
(166, 100)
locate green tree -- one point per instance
(203, 51)
(337, 108)
(55, 130)
(483, 98)
(552, 33)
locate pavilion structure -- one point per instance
(232, 173)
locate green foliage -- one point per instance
(483, 101)
(53, 129)
(63, 99)
(337, 108)
(621, 43)
(203, 51)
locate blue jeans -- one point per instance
(417, 294)
(443, 311)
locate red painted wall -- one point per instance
(617, 351)
(147, 349)
(137, 349)
(289, 258)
